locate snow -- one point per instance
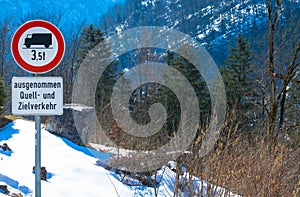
(77, 107)
(74, 173)
(148, 2)
(73, 170)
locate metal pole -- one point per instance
(37, 156)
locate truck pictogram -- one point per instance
(38, 39)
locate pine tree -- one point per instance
(3, 95)
(90, 37)
(194, 77)
(292, 121)
(240, 87)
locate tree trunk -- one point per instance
(273, 107)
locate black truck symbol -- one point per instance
(38, 39)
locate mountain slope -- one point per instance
(214, 23)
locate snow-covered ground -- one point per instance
(72, 170)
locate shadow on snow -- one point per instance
(8, 131)
(15, 184)
(88, 151)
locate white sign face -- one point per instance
(37, 95)
(38, 46)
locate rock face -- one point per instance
(80, 130)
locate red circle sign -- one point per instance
(38, 46)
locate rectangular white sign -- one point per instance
(37, 95)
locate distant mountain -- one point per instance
(214, 23)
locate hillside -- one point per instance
(214, 23)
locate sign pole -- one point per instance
(37, 156)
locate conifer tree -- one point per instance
(3, 95)
(90, 37)
(292, 121)
(195, 79)
(240, 87)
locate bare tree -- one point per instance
(68, 65)
(5, 37)
(53, 15)
(272, 113)
(277, 99)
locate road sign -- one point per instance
(38, 46)
(37, 95)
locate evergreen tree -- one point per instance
(292, 121)
(240, 87)
(195, 79)
(90, 37)
(3, 95)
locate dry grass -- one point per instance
(252, 169)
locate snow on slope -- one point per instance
(72, 170)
